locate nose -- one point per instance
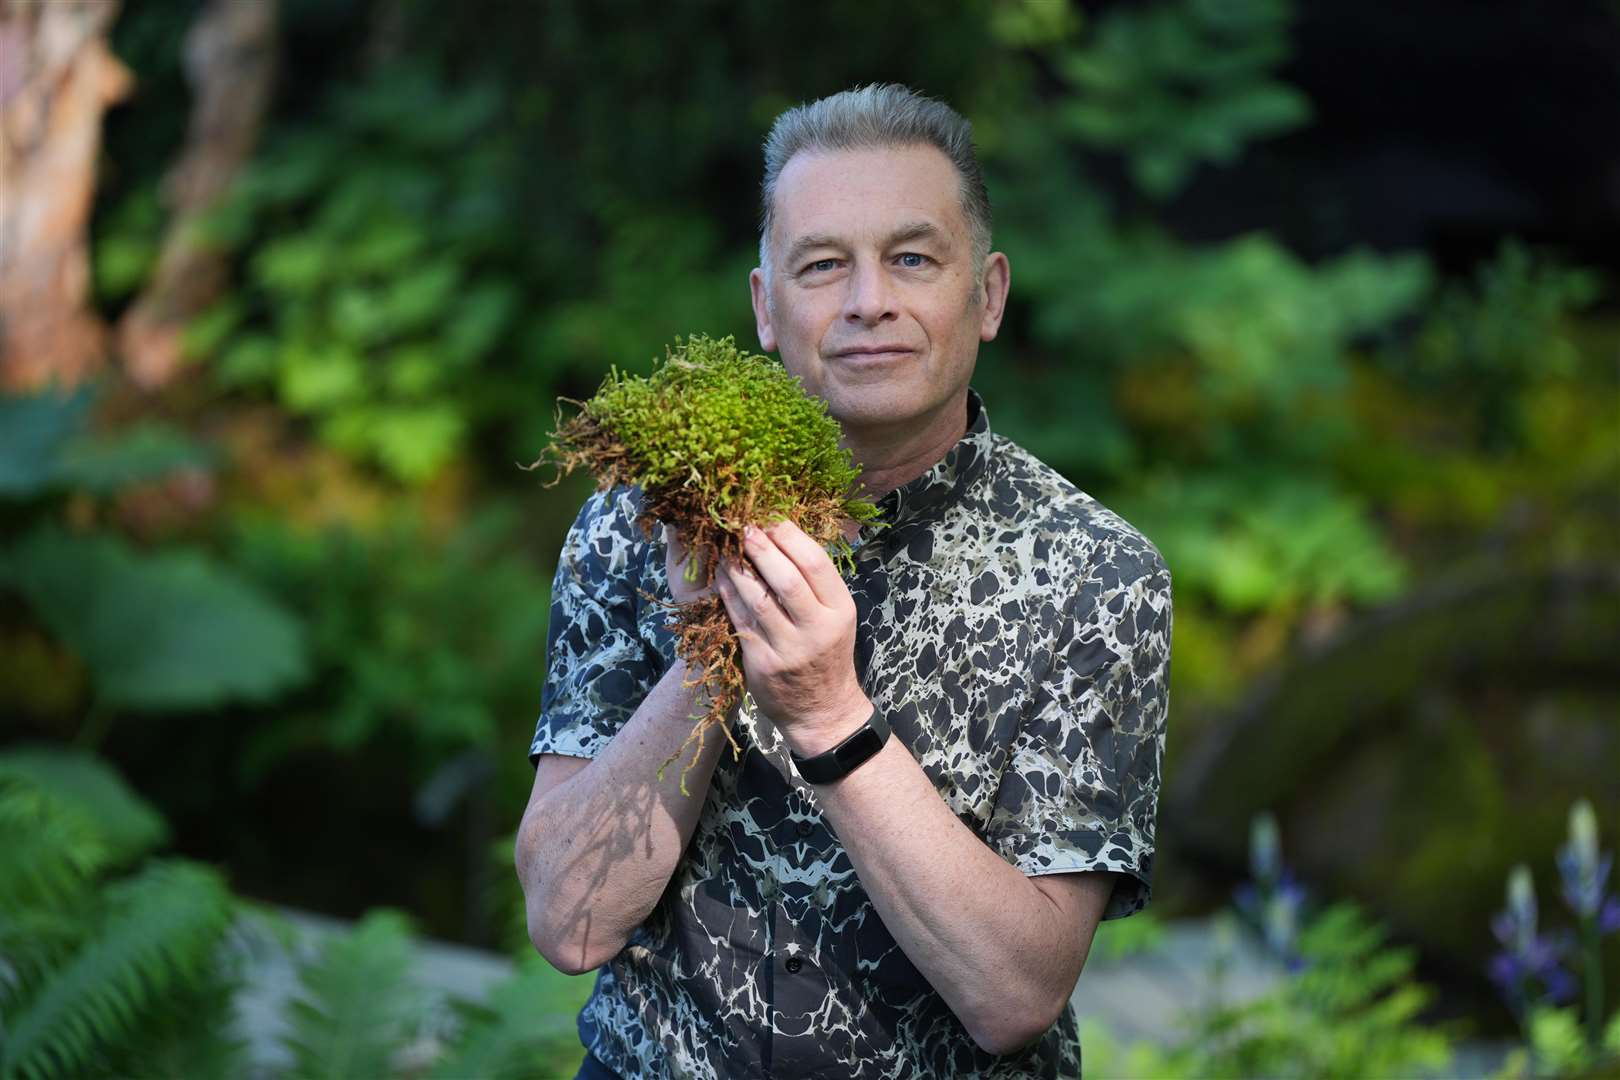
(869, 300)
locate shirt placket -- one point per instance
(799, 986)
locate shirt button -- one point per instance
(794, 964)
(805, 828)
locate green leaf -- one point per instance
(315, 379)
(356, 1003)
(413, 443)
(33, 430)
(164, 631)
(207, 332)
(295, 263)
(147, 451)
(250, 360)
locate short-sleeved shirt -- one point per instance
(1016, 634)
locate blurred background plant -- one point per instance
(1345, 346)
(1346, 1003)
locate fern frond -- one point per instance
(525, 1029)
(126, 823)
(357, 1003)
(191, 1034)
(160, 932)
(34, 943)
(65, 818)
(48, 851)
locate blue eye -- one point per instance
(821, 266)
(913, 261)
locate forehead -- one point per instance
(862, 194)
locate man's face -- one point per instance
(872, 300)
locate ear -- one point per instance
(997, 279)
(762, 310)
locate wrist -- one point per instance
(815, 736)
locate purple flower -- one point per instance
(1609, 917)
(1560, 985)
(1529, 966)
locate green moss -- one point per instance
(720, 433)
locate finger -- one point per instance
(815, 567)
(781, 575)
(750, 604)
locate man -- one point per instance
(950, 761)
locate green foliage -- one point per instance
(1173, 85)
(137, 975)
(525, 1028)
(127, 245)
(81, 819)
(34, 431)
(1558, 1048)
(91, 966)
(168, 630)
(429, 657)
(1489, 341)
(1262, 539)
(44, 448)
(159, 927)
(157, 629)
(1352, 1011)
(379, 266)
(357, 1003)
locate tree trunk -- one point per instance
(230, 58)
(57, 78)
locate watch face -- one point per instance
(858, 747)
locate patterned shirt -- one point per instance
(1016, 634)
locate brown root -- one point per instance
(706, 640)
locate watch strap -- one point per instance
(841, 760)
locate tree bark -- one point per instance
(57, 78)
(230, 58)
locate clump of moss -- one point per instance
(717, 439)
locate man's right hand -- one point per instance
(676, 556)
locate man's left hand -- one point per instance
(796, 621)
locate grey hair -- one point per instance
(870, 117)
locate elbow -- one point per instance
(1008, 1029)
(569, 943)
(571, 959)
(570, 953)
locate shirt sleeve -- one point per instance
(598, 667)
(1081, 788)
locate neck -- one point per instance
(889, 459)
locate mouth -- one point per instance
(872, 353)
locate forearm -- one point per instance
(595, 852)
(1000, 952)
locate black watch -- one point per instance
(841, 760)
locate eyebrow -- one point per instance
(905, 234)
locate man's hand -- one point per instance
(796, 621)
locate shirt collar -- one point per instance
(949, 477)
